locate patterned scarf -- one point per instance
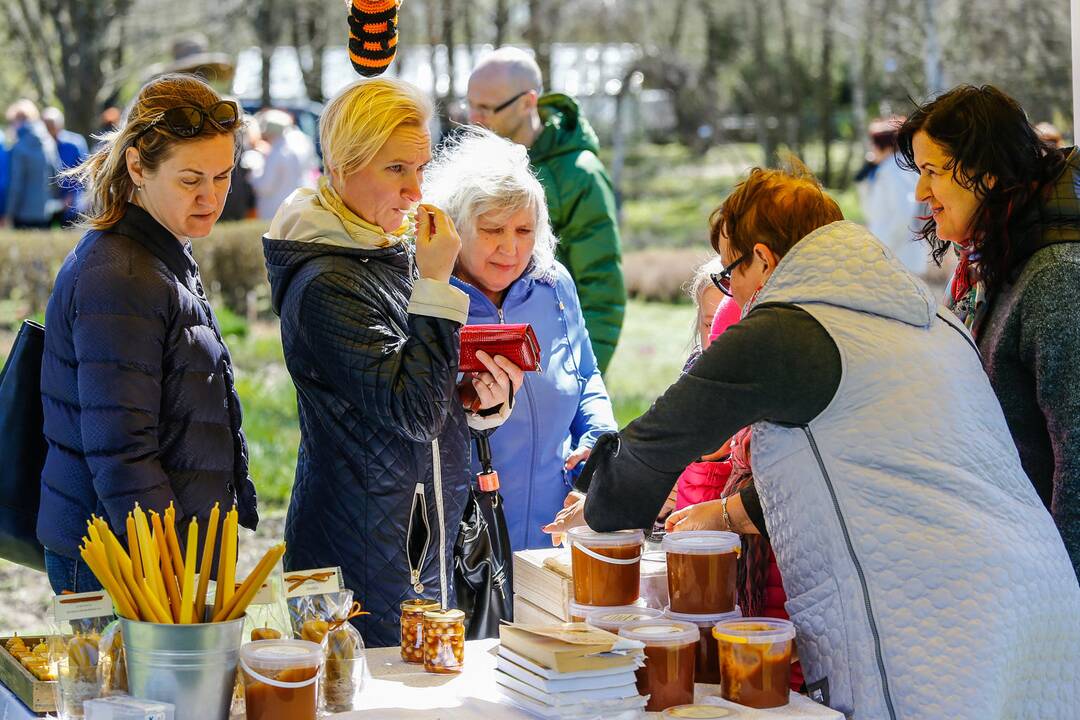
(753, 563)
(363, 233)
(966, 294)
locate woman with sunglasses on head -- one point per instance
(924, 577)
(136, 382)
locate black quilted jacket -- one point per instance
(137, 388)
(383, 464)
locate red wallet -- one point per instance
(517, 343)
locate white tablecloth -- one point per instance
(399, 691)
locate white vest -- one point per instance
(924, 575)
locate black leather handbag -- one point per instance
(483, 560)
(22, 448)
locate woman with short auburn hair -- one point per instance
(370, 328)
(923, 574)
(137, 384)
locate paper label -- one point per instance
(80, 606)
(313, 582)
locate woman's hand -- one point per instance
(577, 457)
(668, 506)
(437, 247)
(494, 385)
(569, 517)
(703, 516)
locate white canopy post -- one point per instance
(1074, 32)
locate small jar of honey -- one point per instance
(412, 628)
(444, 641)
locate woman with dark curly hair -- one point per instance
(1009, 205)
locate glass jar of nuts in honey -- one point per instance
(412, 628)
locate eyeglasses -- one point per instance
(187, 121)
(498, 108)
(722, 279)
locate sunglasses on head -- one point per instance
(187, 121)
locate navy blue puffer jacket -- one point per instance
(137, 389)
(383, 469)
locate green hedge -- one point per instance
(231, 262)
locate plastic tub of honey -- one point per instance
(281, 679)
(606, 566)
(701, 571)
(614, 619)
(755, 660)
(707, 669)
(670, 656)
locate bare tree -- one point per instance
(72, 49)
(312, 33)
(500, 20)
(268, 26)
(825, 89)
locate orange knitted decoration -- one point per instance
(373, 35)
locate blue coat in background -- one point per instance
(33, 165)
(5, 177)
(555, 412)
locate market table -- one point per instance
(398, 691)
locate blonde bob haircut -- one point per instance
(358, 121)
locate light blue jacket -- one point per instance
(557, 411)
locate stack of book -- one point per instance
(569, 672)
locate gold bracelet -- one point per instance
(727, 519)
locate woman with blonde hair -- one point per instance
(136, 381)
(370, 327)
(923, 574)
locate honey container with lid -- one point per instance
(755, 660)
(606, 566)
(412, 628)
(444, 641)
(701, 571)
(670, 658)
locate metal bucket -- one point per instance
(191, 666)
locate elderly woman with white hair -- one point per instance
(508, 269)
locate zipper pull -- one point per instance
(415, 579)
(502, 320)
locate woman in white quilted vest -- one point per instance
(924, 575)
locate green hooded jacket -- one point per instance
(581, 202)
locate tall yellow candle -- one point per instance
(133, 547)
(209, 546)
(168, 575)
(187, 596)
(226, 585)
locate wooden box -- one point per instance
(38, 695)
(542, 577)
(528, 614)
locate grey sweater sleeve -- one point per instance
(1049, 347)
(777, 364)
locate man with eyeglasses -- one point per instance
(505, 95)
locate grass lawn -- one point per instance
(668, 192)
